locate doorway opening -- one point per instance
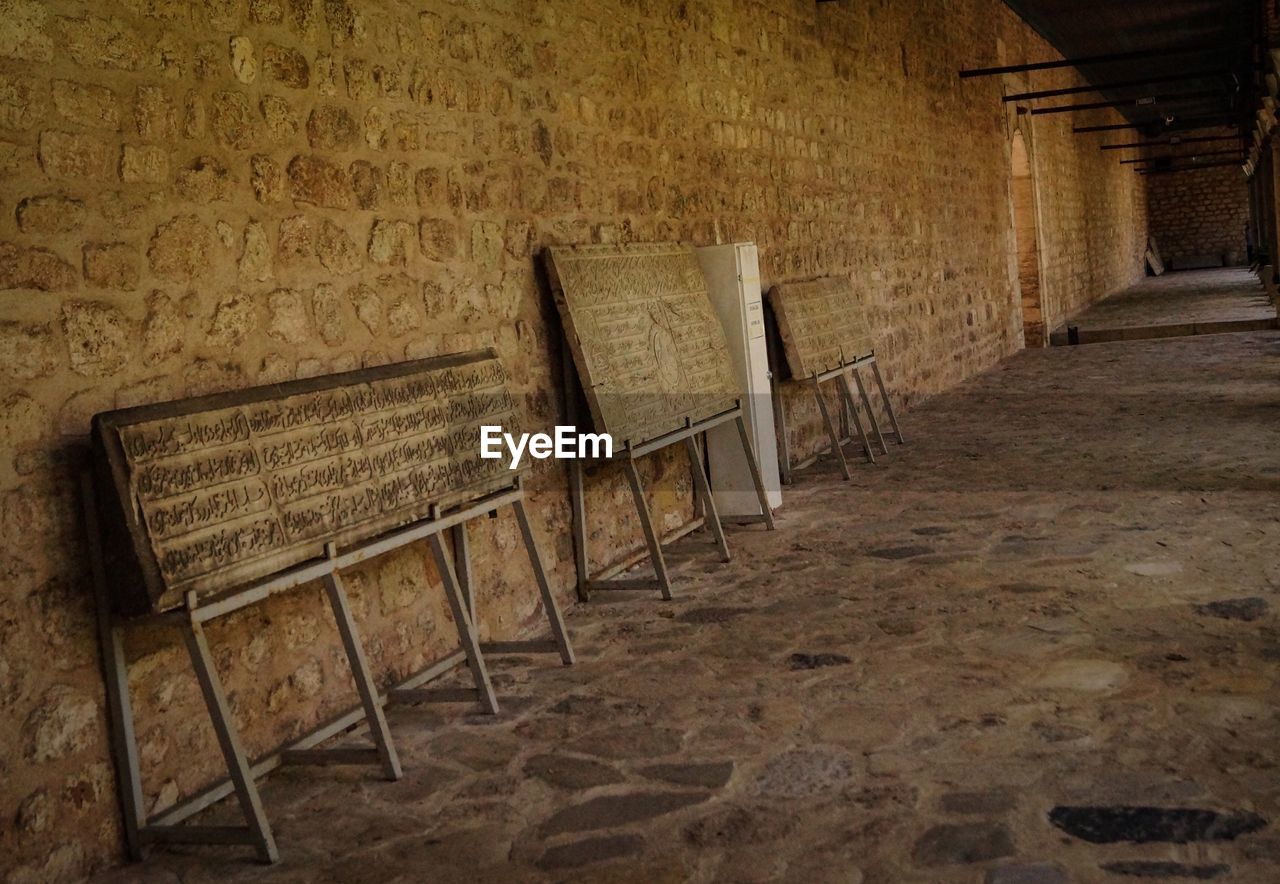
(1025, 235)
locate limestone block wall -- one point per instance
(200, 196)
(1200, 213)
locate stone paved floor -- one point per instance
(1182, 298)
(1058, 595)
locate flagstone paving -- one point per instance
(1036, 644)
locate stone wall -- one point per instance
(1200, 213)
(206, 195)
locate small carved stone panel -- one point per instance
(821, 324)
(219, 491)
(649, 349)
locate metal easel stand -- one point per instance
(165, 826)
(606, 581)
(850, 381)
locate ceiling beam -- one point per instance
(1197, 168)
(1173, 140)
(1144, 101)
(1222, 119)
(1091, 59)
(1184, 156)
(1123, 84)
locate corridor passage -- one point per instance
(1039, 643)
(1180, 303)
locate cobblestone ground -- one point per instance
(1036, 644)
(1182, 297)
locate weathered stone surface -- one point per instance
(25, 35)
(611, 811)
(962, 844)
(86, 104)
(244, 64)
(318, 181)
(98, 42)
(26, 350)
(286, 66)
(336, 249)
(1144, 825)
(438, 238)
(630, 741)
(391, 242)
(62, 724)
(180, 248)
(281, 118)
(297, 238)
(708, 775)
(75, 155)
(232, 120)
(144, 163)
(233, 318)
(486, 245)
(817, 661)
(1165, 870)
(256, 256)
(893, 553)
(327, 309)
(988, 802)
(34, 268)
(331, 128)
(569, 772)
(1083, 675)
(369, 307)
(50, 214)
(267, 179)
(804, 773)
(1247, 609)
(590, 850)
(155, 115)
(98, 336)
(111, 265)
(205, 180)
(1029, 873)
(288, 321)
(366, 182)
(162, 332)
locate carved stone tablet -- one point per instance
(821, 324)
(648, 346)
(209, 494)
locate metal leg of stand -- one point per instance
(556, 622)
(462, 567)
(466, 631)
(237, 765)
(651, 538)
(871, 412)
(846, 388)
(704, 488)
(124, 744)
(831, 428)
(577, 497)
(757, 479)
(365, 686)
(888, 405)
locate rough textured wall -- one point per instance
(1200, 213)
(206, 195)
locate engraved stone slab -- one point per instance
(821, 324)
(209, 494)
(648, 346)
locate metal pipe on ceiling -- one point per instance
(1173, 141)
(1089, 59)
(1144, 101)
(1124, 84)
